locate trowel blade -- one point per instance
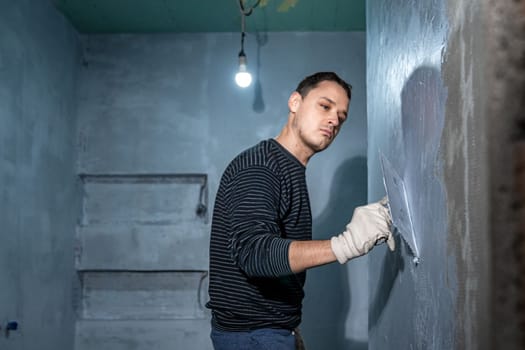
(398, 205)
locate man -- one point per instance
(261, 237)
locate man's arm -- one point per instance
(306, 254)
(370, 225)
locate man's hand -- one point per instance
(370, 225)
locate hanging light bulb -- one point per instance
(243, 78)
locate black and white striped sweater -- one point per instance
(262, 205)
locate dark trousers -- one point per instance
(259, 339)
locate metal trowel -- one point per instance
(399, 206)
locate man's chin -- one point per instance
(322, 146)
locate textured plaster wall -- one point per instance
(168, 104)
(427, 112)
(506, 77)
(39, 60)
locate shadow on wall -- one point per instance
(328, 298)
(422, 119)
(261, 38)
(258, 99)
(393, 265)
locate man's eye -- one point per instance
(325, 107)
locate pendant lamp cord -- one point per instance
(245, 12)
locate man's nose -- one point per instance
(333, 120)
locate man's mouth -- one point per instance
(327, 132)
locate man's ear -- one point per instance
(294, 101)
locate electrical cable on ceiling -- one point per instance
(244, 13)
(248, 11)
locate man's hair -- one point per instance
(311, 82)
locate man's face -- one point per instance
(319, 115)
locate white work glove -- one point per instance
(370, 225)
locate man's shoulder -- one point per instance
(259, 154)
(264, 154)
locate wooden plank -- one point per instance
(157, 203)
(144, 295)
(138, 247)
(143, 335)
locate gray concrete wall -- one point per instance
(427, 111)
(168, 104)
(39, 60)
(506, 125)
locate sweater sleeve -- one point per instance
(256, 241)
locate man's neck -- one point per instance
(294, 146)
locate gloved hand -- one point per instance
(370, 225)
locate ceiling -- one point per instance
(154, 16)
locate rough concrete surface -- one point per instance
(39, 196)
(426, 103)
(505, 105)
